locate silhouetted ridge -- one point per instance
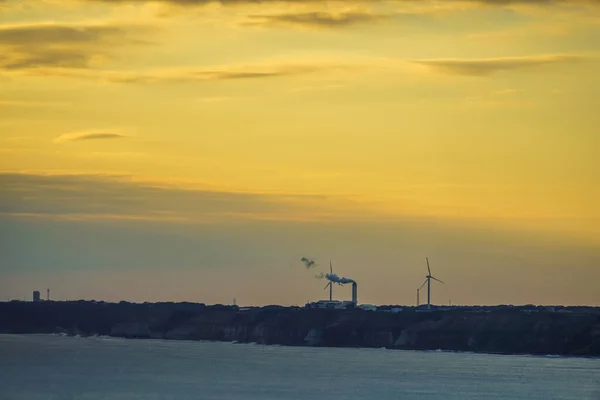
(501, 329)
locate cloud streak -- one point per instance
(314, 19)
(215, 74)
(50, 33)
(332, 68)
(202, 74)
(98, 197)
(81, 136)
(190, 3)
(42, 45)
(488, 66)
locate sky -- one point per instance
(196, 150)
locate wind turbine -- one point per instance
(330, 284)
(428, 279)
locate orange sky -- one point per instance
(372, 133)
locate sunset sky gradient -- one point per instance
(196, 150)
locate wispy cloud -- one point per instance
(119, 197)
(223, 73)
(39, 45)
(190, 3)
(259, 70)
(79, 136)
(341, 68)
(314, 19)
(51, 33)
(487, 66)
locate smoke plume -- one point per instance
(308, 263)
(335, 278)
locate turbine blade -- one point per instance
(330, 268)
(423, 284)
(428, 269)
(325, 288)
(437, 280)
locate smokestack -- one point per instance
(354, 293)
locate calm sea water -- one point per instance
(53, 367)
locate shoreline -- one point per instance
(121, 338)
(500, 331)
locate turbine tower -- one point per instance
(428, 279)
(330, 284)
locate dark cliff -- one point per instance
(500, 330)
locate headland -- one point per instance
(566, 331)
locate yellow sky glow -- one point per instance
(468, 111)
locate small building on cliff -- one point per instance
(330, 304)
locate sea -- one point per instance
(71, 368)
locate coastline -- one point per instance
(501, 331)
(436, 351)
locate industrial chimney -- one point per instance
(354, 293)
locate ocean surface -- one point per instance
(54, 367)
